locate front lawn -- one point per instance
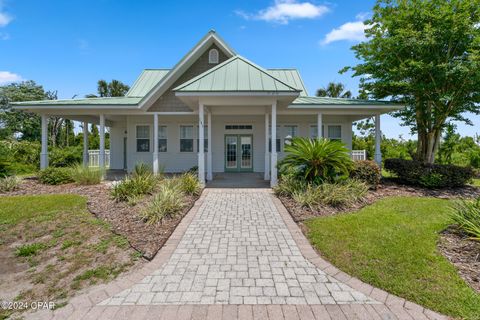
(392, 245)
(51, 246)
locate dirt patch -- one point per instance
(463, 253)
(123, 218)
(387, 188)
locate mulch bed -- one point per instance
(387, 188)
(463, 253)
(124, 219)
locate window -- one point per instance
(162, 139)
(335, 132)
(313, 132)
(278, 140)
(205, 139)
(143, 138)
(186, 138)
(213, 56)
(291, 132)
(238, 127)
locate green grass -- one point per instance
(37, 208)
(29, 249)
(392, 245)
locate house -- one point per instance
(214, 109)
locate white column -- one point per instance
(101, 160)
(378, 139)
(210, 144)
(266, 175)
(273, 165)
(319, 125)
(155, 143)
(85, 144)
(201, 144)
(44, 151)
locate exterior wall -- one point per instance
(175, 161)
(168, 101)
(117, 134)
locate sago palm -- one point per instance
(317, 160)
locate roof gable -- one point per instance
(169, 79)
(237, 74)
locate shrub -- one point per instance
(317, 160)
(367, 171)
(167, 203)
(55, 176)
(429, 175)
(132, 187)
(65, 157)
(87, 175)
(189, 184)
(466, 215)
(9, 183)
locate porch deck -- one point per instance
(238, 180)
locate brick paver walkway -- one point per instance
(239, 255)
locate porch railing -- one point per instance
(359, 155)
(94, 158)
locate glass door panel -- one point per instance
(231, 145)
(246, 152)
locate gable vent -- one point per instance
(213, 56)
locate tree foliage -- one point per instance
(334, 90)
(115, 88)
(16, 122)
(425, 54)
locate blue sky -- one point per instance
(69, 45)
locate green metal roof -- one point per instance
(86, 101)
(237, 74)
(312, 101)
(291, 77)
(146, 81)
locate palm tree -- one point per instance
(113, 89)
(318, 160)
(334, 90)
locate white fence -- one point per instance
(359, 155)
(94, 158)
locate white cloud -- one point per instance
(285, 10)
(4, 17)
(350, 31)
(9, 77)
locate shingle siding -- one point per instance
(168, 102)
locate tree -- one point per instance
(14, 122)
(426, 55)
(113, 89)
(334, 90)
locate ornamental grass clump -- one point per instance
(10, 183)
(84, 175)
(466, 214)
(139, 183)
(189, 183)
(168, 202)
